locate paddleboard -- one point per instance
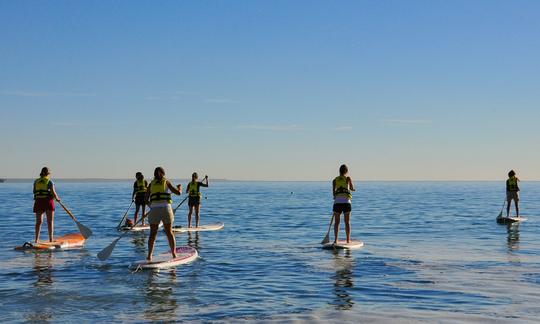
(138, 228)
(342, 244)
(184, 254)
(506, 220)
(68, 241)
(209, 227)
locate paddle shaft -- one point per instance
(68, 212)
(327, 237)
(125, 214)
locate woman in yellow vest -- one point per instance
(194, 202)
(44, 193)
(342, 186)
(139, 196)
(512, 192)
(159, 195)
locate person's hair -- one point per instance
(157, 171)
(511, 173)
(194, 176)
(44, 172)
(343, 170)
(139, 175)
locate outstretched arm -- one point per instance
(177, 190)
(351, 185)
(204, 184)
(53, 190)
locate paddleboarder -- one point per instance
(139, 196)
(44, 195)
(512, 192)
(194, 202)
(342, 188)
(159, 196)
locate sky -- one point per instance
(270, 90)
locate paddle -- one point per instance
(327, 237)
(500, 214)
(106, 252)
(85, 231)
(125, 215)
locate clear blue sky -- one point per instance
(273, 90)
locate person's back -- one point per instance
(512, 192)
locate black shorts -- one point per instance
(342, 208)
(194, 201)
(140, 199)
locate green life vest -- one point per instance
(512, 184)
(158, 191)
(140, 186)
(342, 187)
(41, 188)
(193, 189)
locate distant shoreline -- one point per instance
(73, 180)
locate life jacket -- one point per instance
(512, 184)
(193, 189)
(41, 188)
(140, 186)
(158, 191)
(342, 187)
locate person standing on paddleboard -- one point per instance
(342, 186)
(194, 202)
(139, 196)
(512, 192)
(44, 195)
(159, 196)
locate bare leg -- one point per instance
(517, 207)
(39, 221)
(50, 224)
(143, 214)
(336, 226)
(137, 207)
(508, 207)
(197, 212)
(348, 226)
(167, 228)
(152, 240)
(189, 216)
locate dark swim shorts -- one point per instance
(194, 201)
(140, 199)
(342, 208)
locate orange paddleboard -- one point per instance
(68, 241)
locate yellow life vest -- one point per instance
(41, 188)
(140, 186)
(193, 189)
(158, 191)
(342, 187)
(512, 184)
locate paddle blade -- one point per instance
(326, 238)
(85, 231)
(106, 252)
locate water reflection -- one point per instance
(512, 239)
(161, 304)
(344, 279)
(43, 269)
(193, 240)
(139, 240)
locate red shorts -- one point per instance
(42, 205)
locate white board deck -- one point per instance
(184, 254)
(510, 219)
(342, 244)
(138, 228)
(209, 227)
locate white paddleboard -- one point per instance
(209, 227)
(184, 254)
(506, 220)
(138, 228)
(342, 244)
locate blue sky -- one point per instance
(271, 90)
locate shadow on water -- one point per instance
(193, 240)
(139, 240)
(161, 304)
(43, 270)
(512, 239)
(344, 280)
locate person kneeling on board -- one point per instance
(342, 186)
(512, 192)
(44, 192)
(194, 202)
(159, 196)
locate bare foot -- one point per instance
(149, 259)
(174, 255)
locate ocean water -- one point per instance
(433, 253)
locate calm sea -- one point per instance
(433, 253)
